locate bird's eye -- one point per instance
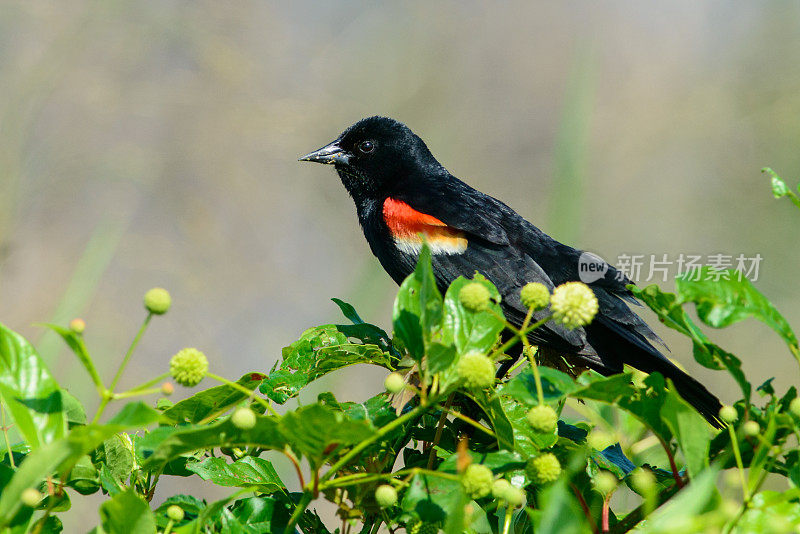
(366, 146)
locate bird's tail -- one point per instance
(692, 391)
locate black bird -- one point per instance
(401, 190)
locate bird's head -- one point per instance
(375, 155)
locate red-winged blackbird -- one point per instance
(401, 191)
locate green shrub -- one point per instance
(458, 456)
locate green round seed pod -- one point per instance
(534, 296)
(543, 419)
(794, 407)
(543, 469)
(30, 497)
(477, 481)
(474, 296)
(476, 369)
(175, 513)
(394, 383)
(188, 367)
(157, 301)
(574, 304)
(728, 414)
(385, 496)
(751, 429)
(243, 418)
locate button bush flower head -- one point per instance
(394, 383)
(543, 419)
(504, 491)
(385, 496)
(573, 304)
(794, 407)
(474, 296)
(77, 326)
(30, 497)
(500, 487)
(535, 296)
(243, 418)
(604, 482)
(728, 414)
(157, 301)
(543, 469)
(175, 513)
(476, 369)
(188, 367)
(751, 429)
(477, 481)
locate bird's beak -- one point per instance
(329, 154)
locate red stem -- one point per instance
(672, 465)
(585, 507)
(606, 507)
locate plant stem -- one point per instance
(439, 429)
(606, 509)
(298, 511)
(507, 520)
(168, 528)
(296, 464)
(108, 393)
(128, 354)
(130, 393)
(584, 506)
(472, 422)
(149, 383)
(249, 392)
(355, 451)
(673, 467)
(5, 436)
(514, 339)
(535, 369)
(739, 464)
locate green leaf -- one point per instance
(559, 512)
(526, 440)
(681, 513)
(493, 408)
(118, 456)
(555, 386)
(689, 428)
(670, 311)
(165, 443)
(319, 351)
(418, 307)
(768, 509)
(348, 311)
(192, 507)
(249, 472)
(73, 409)
(316, 431)
(470, 330)
(127, 513)
(213, 401)
(135, 414)
(75, 342)
(721, 302)
(646, 403)
(779, 187)
(431, 498)
(29, 392)
(62, 454)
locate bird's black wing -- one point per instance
(496, 254)
(511, 252)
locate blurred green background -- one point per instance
(155, 143)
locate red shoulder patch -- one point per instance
(405, 223)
